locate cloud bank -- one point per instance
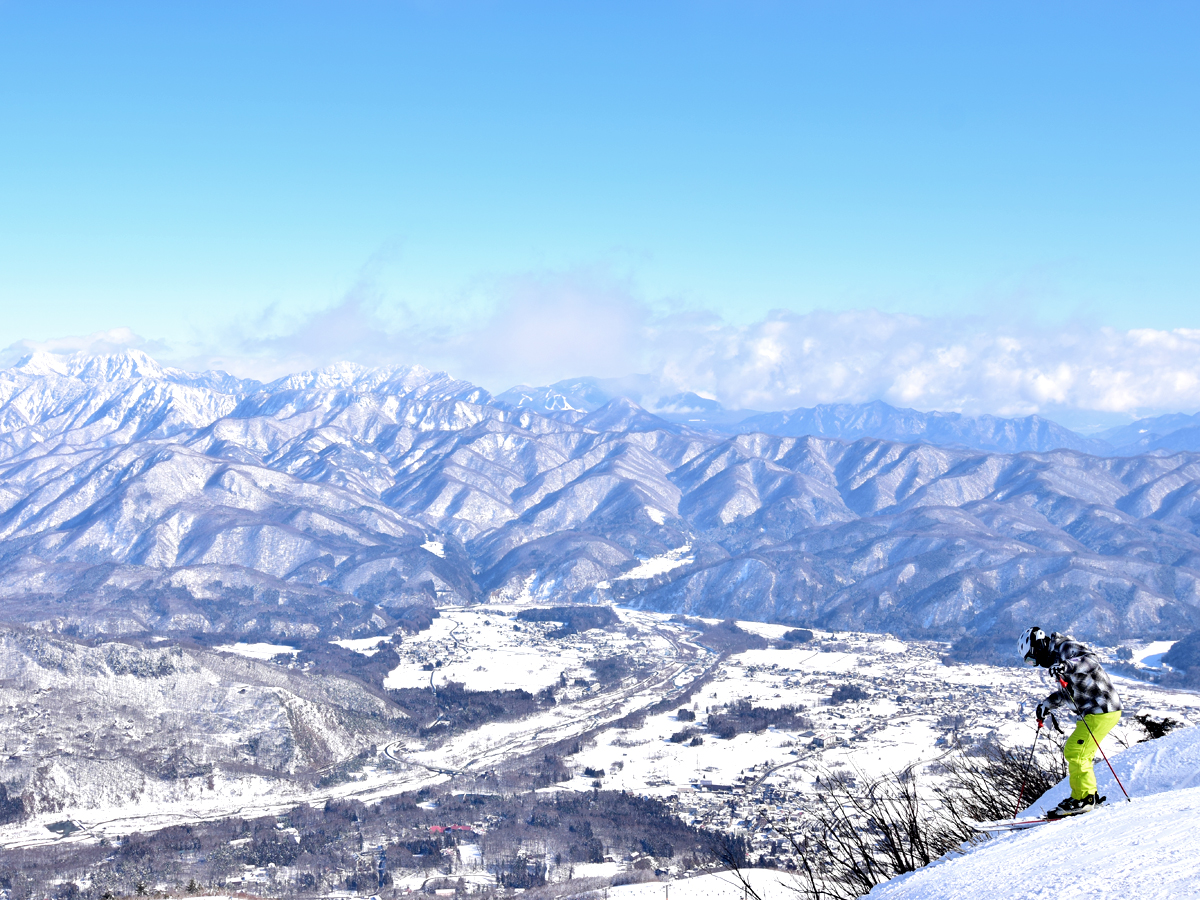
(536, 330)
(968, 365)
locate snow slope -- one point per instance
(1147, 848)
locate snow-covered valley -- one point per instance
(263, 735)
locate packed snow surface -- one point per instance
(1147, 848)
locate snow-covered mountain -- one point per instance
(137, 497)
(851, 421)
(1157, 434)
(113, 724)
(573, 398)
(570, 399)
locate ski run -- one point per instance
(1145, 849)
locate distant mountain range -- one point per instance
(135, 498)
(570, 399)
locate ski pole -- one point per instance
(1025, 775)
(1083, 719)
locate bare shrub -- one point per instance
(1155, 726)
(992, 780)
(862, 832)
(865, 835)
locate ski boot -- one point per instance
(1073, 807)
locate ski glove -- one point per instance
(1042, 711)
(1058, 670)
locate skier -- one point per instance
(1083, 683)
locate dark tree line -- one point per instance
(844, 693)
(12, 809)
(727, 637)
(742, 717)
(574, 619)
(451, 707)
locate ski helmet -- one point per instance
(1027, 644)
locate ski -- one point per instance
(1018, 824)
(1011, 824)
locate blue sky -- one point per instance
(220, 179)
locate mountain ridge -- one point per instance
(872, 419)
(135, 498)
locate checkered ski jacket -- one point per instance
(1090, 685)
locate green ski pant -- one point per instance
(1080, 751)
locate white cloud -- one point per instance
(113, 340)
(533, 329)
(539, 329)
(972, 365)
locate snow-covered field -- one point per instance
(366, 646)
(1152, 653)
(487, 651)
(257, 651)
(659, 565)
